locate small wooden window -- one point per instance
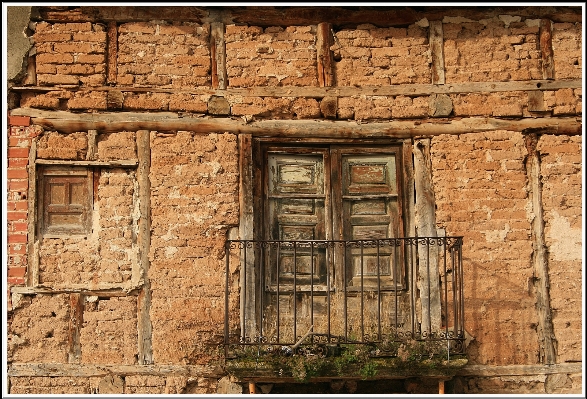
(65, 200)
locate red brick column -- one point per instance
(20, 136)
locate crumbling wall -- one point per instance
(561, 180)
(194, 200)
(480, 182)
(481, 193)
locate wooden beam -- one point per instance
(101, 370)
(425, 214)
(324, 55)
(412, 90)
(546, 337)
(91, 154)
(112, 53)
(76, 321)
(546, 49)
(218, 55)
(484, 370)
(104, 164)
(32, 277)
(381, 16)
(68, 122)
(101, 292)
(141, 271)
(436, 42)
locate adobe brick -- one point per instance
(47, 68)
(15, 280)
(16, 152)
(52, 37)
(44, 79)
(79, 47)
(90, 36)
(16, 205)
(17, 249)
(17, 173)
(17, 238)
(17, 162)
(16, 185)
(137, 27)
(89, 58)
(19, 120)
(64, 58)
(16, 271)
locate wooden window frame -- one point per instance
(67, 175)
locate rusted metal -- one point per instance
(341, 315)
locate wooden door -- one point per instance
(297, 208)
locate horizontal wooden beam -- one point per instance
(103, 164)
(67, 122)
(339, 91)
(101, 370)
(520, 369)
(340, 17)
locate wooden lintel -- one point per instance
(104, 164)
(102, 292)
(382, 16)
(67, 122)
(436, 42)
(112, 52)
(412, 90)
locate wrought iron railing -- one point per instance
(328, 293)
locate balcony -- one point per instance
(393, 300)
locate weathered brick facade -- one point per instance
(160, 103)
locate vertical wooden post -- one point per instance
(436, 42)
(546, 49)
(32, 278)
(76, 320)
(112, 53)
(324, 55)
(91, 154)
(141, 271)
(252, 388)
(31, 71)
(218, 55)
(441, 387)
(540, 257)
(426, 227)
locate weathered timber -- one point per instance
(324, 55)
(536, 101)
(218, 55)
(105, 292)
(112, 52)
(426, 227)
(76, 321)
(67, 122)
(436, 42)
(32, 276)
(339, 91)
(547, 340)
(546, 49)
(91, 154)
(382, 16)
(74, 370)
(141, 271)
(483, 370)
(31, 71)
(112, 164)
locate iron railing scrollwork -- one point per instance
(314, 294)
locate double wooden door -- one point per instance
(323, 207)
